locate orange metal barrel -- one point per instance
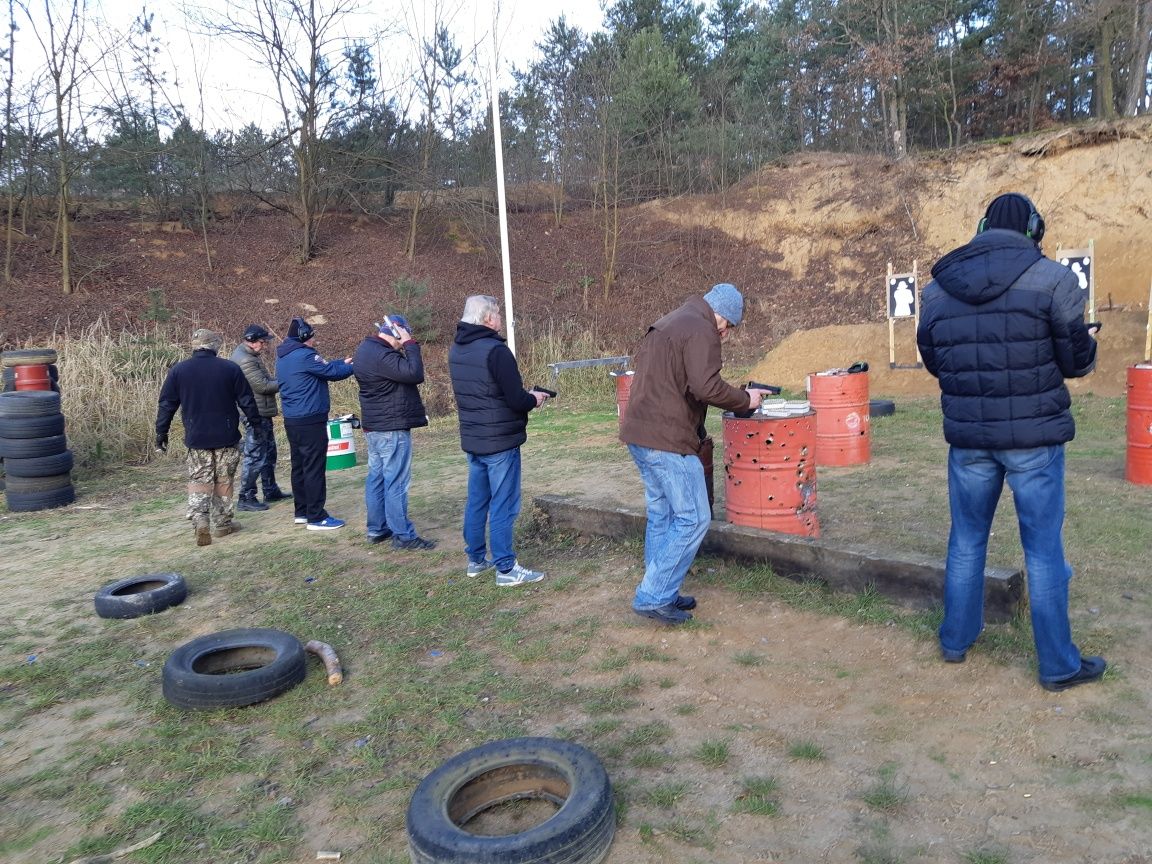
(770, 473)
(32, 377)
(623, 389)
(1138, 468)
(843, 425)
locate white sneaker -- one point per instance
(518, 576)
(300, 520)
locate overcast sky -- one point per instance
(236, 90)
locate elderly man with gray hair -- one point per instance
(207, 390)
(493, 408)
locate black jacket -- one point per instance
(491, 401)
(388, 379)
(207, 390)
(1002, 326)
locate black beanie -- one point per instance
(1009, 211)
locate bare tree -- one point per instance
(61, 34)
(300, 42)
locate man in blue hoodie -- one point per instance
(1001, 328)
(304, 402)
(492, 407)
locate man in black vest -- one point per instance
(493, 407)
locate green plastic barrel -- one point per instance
(341, 445)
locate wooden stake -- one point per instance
(1148, 329)
(891, 323)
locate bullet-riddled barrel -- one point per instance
(843, 428)
(770, 473)
(1138, 468)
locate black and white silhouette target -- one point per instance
(902, 296)
(1081, 265)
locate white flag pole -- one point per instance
(509, 318)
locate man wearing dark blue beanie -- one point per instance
(1001, 327)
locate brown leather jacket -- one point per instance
(677, 378)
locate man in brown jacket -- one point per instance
(677, 378)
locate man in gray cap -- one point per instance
(677, 376)
(206, 389)
(259, 449)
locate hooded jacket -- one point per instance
(491, 402)
(264, 386)
(304, 377)
(206, 389)
(1001, 327)
(388, 379)
(677, 378)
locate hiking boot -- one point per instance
(475, 568)
(274, 495)
(379, 538)
(250, 505)
(517, 576)
(667, 614)
(684, 602)
(225, 530)
(1091, 669)
(329, 524)
(414, 543)
(203, 535)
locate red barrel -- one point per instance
(1138, 468)
(843, 424)
(770, 473)
(623, 389)
(32, 377)
(707, 448)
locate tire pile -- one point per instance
(33, 447)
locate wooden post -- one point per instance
(891, 321)
(1148, 329)
(1092, 281)
(916, 279)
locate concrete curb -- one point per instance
(914, 581)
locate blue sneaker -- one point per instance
(329, 524)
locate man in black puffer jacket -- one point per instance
(1001, 328)
(493, 408)
(389, 370)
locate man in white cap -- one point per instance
(677, 378)
(206, 389)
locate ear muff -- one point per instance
(1034, 228)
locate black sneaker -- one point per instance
(415, 543)
(379, 538)
(667, 614)
(1091, 669)
(684, 602)
(251, 505)
(274, 495)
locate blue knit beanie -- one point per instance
(726, 302)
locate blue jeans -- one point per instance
(259, 451)
(678, 518)
(389, 478)
(493, 500)
(1036, 478)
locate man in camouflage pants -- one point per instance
(207, 389)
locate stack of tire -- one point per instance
(37, 461)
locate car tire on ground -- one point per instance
(28, 502)
(40, 466)
(38, 484)
(31, 448)
(881, 408)
(233, 668)
(140, 595)
(28, 357)
(29, 403)
(32, 427)
(565, 774)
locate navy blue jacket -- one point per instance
(207, 390)
(1001, 327)
(491, 401)
(304, 377)
(388, 379)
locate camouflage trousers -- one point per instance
(210, 476)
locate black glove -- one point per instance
(162, 443)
